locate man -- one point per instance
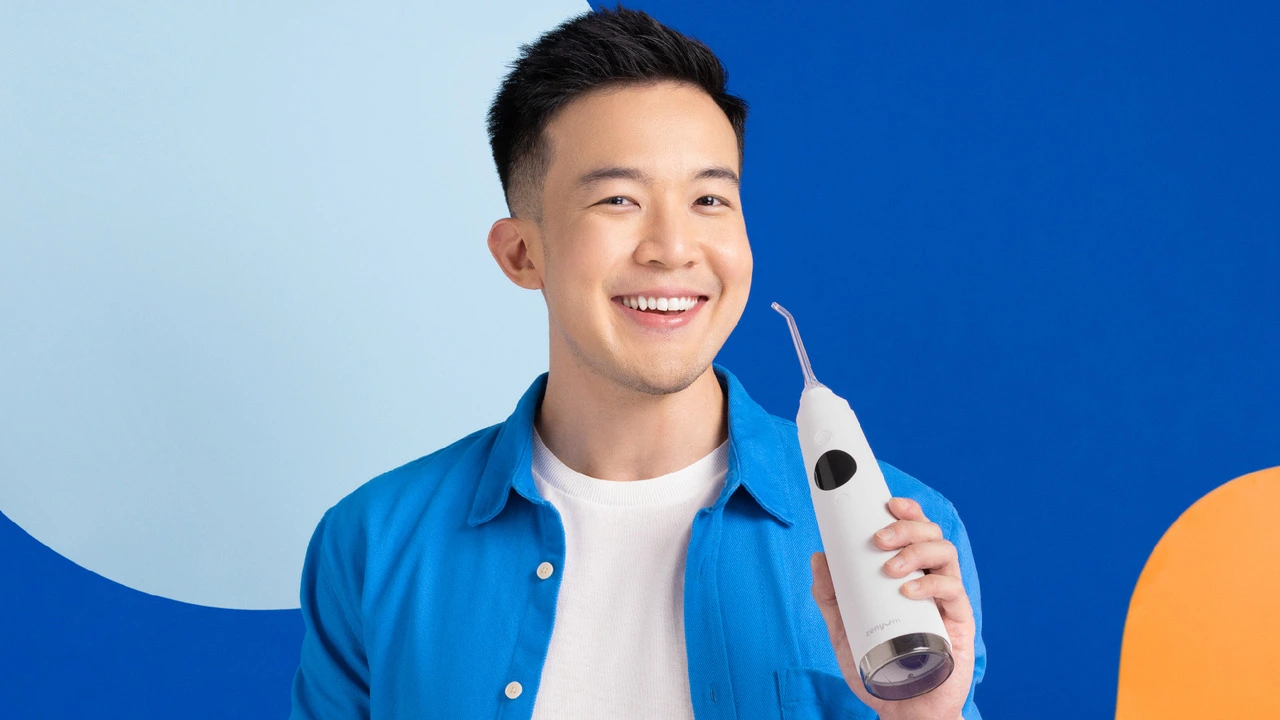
(636, 540)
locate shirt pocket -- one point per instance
(809, 694)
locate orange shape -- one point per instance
(1202, 639)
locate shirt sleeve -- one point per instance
(332, 680)
(969, 575)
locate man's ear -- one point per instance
(512, 242)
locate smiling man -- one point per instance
(636, 540)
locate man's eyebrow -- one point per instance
(716, 172)
(612, 173)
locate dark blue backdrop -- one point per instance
(1034, 244)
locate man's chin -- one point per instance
(665, 381)
(654, 373)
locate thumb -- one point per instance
(824, 593)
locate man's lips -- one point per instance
(686, 305)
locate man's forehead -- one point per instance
(637, 132)
(631, 109)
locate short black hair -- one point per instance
(598, 49)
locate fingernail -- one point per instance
(886, 534)
(912, 587)
(896, 564)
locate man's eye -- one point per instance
(710, 200)
(615, 200)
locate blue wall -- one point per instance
(1037, 247)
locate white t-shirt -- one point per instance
(617, 646)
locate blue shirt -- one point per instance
(420, 595)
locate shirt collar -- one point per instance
(756, 456)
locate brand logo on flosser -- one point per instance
(183, 412)
(877, 628)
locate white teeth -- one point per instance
(674, 304)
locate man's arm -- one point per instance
(332, 680)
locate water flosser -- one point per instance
(900, 644)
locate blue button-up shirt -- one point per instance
(421, 599)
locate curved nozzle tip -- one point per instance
(809, 379)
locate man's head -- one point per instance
(593, 51)
(620, 153)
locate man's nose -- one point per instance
(669, 238)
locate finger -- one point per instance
(905, 508)
(905, 532)
(936, 556)
(949, 593)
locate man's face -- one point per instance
(641, 200)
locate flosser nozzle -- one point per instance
(809, 380)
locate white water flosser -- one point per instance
(900, 644)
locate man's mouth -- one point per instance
(660, 305)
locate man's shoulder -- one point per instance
(452, 470)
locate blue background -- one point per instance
(1034, 244)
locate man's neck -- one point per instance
(607, 431)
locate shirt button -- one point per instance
(513, 690)
(544, 572)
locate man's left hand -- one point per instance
(921, 547)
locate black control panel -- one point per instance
(834, 469)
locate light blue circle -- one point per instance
(244, 271)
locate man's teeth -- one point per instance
(648, 303)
